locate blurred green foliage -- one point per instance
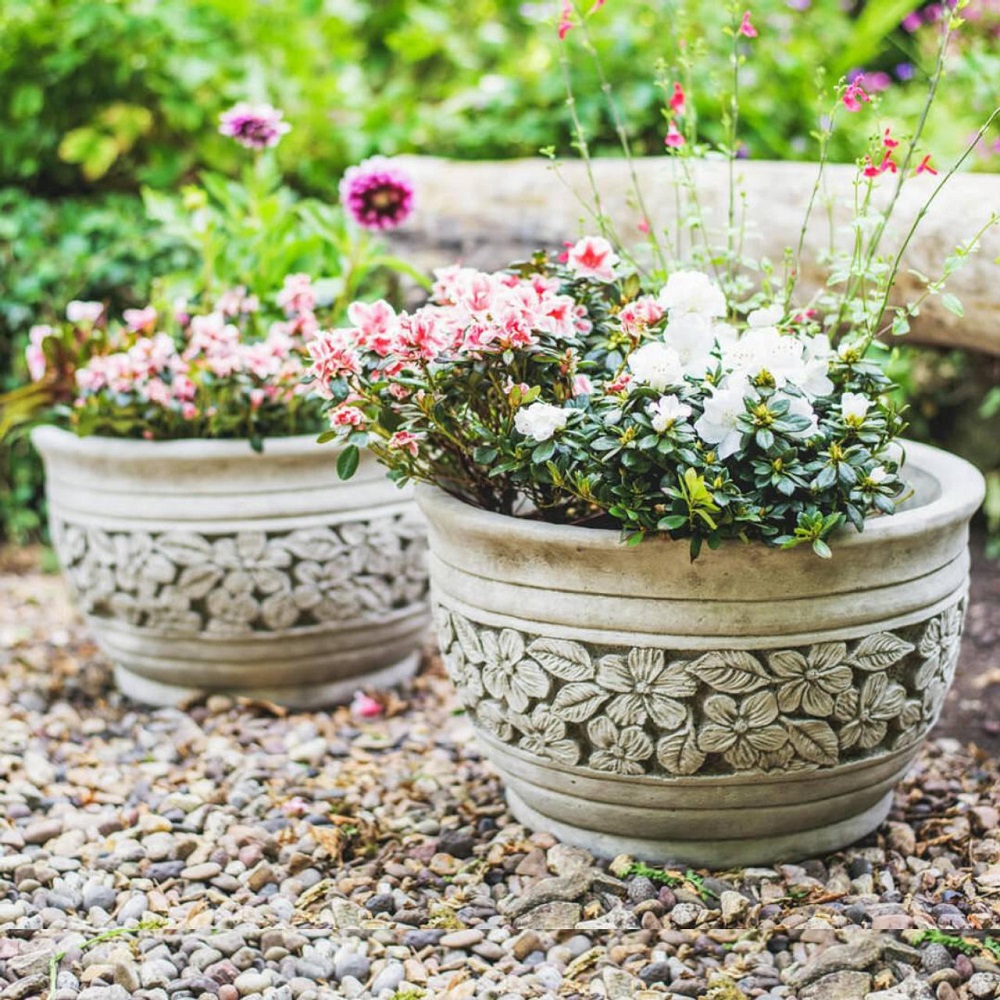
(117, 93)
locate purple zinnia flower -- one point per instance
(377, 193)
(256, 126)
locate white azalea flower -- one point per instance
(879, 475)
(693, 337)
(540, 420)
(656, 365)
(854, 406)
(770, 316)
(786, 358)
(666, 411)
(693, 292)
(718, 424)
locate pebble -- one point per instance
(310, 856)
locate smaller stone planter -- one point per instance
(204, 566)
(754, 706)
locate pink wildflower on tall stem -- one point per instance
(673, 138)
(924, 166)
(565, 19)
(255, 126)
(377, 194)
(677, 99)
(855, 94)
(746, 29)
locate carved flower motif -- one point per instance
(464, 675)
(137, 564)
(812, 681)
(167, 609)
(646, 686)
(741, 731)
(231, 606)
(620, 751)
(507, 674)
(866, 715)
(939, 646)
(545, 736)
(491, 716)
(249, 554)
(326, 590)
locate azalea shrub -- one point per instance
(210, 356)
(673, 387)
(231, 367)
(562, 391)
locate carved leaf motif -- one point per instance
(733, 671)
(185, 548)
(679, 753)
(196, 581)
(813, 740)
(279, 611)
(314, 544)
(878, 652)
(468, 639)
(578, 702)
(566, 660)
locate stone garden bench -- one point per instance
(488, 213)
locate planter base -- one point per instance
(717, 854)
(301, 696)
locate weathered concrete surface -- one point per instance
(489, 213)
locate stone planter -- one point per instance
(752, 707)
(204, 566)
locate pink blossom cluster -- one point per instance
(185, 374)
(470, 313)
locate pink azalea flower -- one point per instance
(297, 294)
(582, 386)
(347, 415)
(138, 320)
(404, 441)
(593, 257)
(365, 707)
(84, 312)
(673, 139)
(746, 28)
(254, 126)
(377, 194)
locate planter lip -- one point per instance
(58, 440)
(962, 489)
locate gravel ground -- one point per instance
(231, 850)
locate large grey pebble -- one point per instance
(389, 978)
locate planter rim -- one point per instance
(57, 440)
(962, 489)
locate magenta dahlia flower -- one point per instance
(256, 126)
(377, 193)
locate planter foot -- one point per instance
(718, 854)
(302, 697)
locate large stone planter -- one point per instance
(204, 566)
(755, 706)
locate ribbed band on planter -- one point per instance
(205, 566)
(754, 705)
